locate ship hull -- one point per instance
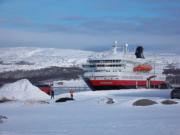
(121, 84)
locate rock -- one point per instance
(64, 99)
(169, 102)
(2, 117)
(144, 102)
(110, 101)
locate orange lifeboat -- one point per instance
(143, 68)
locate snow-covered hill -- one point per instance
(164, 58)
(28, 58)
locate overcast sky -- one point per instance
(90, 24)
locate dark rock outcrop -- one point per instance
(64, 99)
(144, 102)
(169, 102)
(40, 75)
(110, 101)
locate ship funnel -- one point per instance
(139, 52)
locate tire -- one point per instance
(172, 95)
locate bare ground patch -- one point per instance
(37, 102)
(3, 100)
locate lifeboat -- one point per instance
(143, 68)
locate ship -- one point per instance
(122, 70)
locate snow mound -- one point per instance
(22, 90)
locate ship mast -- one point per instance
(125, 48)
(114, 49)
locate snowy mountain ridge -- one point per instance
(28, 58)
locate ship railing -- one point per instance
(71, 87)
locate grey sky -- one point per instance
(84, 24)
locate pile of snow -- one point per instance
(22, 90)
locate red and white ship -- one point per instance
(123, 70)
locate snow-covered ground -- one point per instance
(12, 58)
(90, 115)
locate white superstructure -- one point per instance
(117, 70)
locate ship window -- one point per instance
(104, 61)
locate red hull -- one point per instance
(120, 84)
(123, 82)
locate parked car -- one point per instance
(44, 87)
(175, 93)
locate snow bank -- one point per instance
(22, 90)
